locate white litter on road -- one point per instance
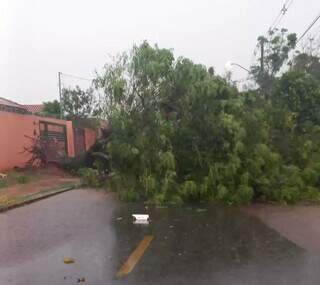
(141, 217)
(141, 222)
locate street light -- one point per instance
(229, 65)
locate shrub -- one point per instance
(129, 196)
(73, 165)
(3, 183)
(159, 198)
(23, 179)
(90, 177)
(289, 194)
(189, 191)
(243, 195)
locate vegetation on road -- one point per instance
(182, 134)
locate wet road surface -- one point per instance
(298, 223)
(218, 245)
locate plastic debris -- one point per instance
(141, 217)
(119, 219)
(141, 222)
(3, 176)
(68, 260)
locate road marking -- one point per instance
(135, 256)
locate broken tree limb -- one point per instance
(100, 154)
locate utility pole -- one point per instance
(311, 39)
(262, 79)
(60, 94)
(262, 55)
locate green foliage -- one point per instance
(299, 93)
(189, 191)
(181, 134)
(51, 109)
(276, 48)
(3, 183)
(129, 196)
(78, 104)
(22, 179)
(308, 63)
(74, 164)
(90, 177)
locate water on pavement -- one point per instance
(200, 245)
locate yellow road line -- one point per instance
(135, 256)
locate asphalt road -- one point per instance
(192, 245)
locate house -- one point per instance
(10, 106)
(20, 126)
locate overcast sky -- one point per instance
(38, 38)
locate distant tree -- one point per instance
(276, 48)
(211, 70)
(77, 103)
(299, 92)
(51, 109)
(307, 63)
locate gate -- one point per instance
(54, 139)
(79, 141)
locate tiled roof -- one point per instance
(34, 108)
(10, 103)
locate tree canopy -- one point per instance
(76, 104)
(276, 48)
(51, 109)
(182, 134)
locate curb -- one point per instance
(28, 199)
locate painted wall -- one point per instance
(13, 131)
(70, 139)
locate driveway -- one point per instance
(200, 245)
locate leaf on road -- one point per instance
(68, 260)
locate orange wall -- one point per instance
(90, 137)
(13, 128)
(70, 139)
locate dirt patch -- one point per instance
(299, 223)
(37, 180)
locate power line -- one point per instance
(273, 26)
(275, 21)
(309, 28)
(281, 14)
(77, 77)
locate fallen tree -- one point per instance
(181, 134)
